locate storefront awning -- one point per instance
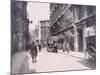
(69, 33)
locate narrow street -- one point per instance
(48, 62)
(68, 30)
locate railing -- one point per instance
(57, 12)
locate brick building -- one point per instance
(45, 31)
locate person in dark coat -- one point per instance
(39, 46)
(55, 47)
(33, 51)
(27, 47)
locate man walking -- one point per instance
(33, 52)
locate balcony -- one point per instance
(57, 12)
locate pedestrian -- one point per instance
(67, 47)
(39, 47)
(64, 46)
(33, 51)
(55, 47)
(27, 47)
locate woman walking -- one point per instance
(66, 47)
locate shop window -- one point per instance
(91, 21)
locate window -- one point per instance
(81, 14)
(91, 10)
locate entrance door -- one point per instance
(80, 39)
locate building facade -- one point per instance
(84, 19)
(45, 31)
(73, 22)
(19, 26)
(36, 33)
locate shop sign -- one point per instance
(91, 31)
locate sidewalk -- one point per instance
(80, 55)
(17, 61)
(48, 61)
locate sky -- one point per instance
(37, 12)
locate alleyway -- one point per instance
(48, 61)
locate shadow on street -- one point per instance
(88, 63)
(25, 68)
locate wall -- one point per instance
(19, 26)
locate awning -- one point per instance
(69, 33)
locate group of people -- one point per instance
(34, 48)
(54, 46)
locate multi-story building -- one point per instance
(77, 22)
(36, 32)
(19, 26)
(45, 31)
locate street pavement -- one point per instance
(48, 62)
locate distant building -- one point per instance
(72, 21)
(45, 31)
(19, 26)
(36, 33)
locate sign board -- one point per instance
(90, 31)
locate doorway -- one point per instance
(80, 39)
